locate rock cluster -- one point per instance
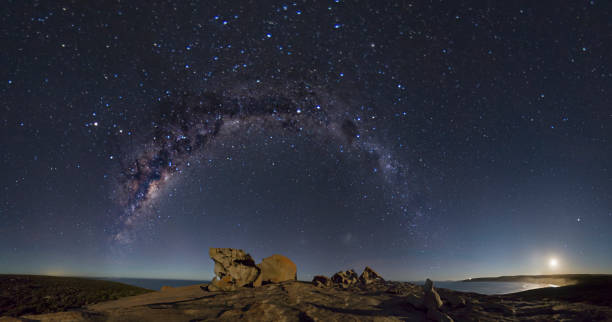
(348, 278)
(234, 268)
(345, 279)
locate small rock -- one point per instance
(321, 281)
(276, 269)
(370, 276)
(345, 279)
(454, 300)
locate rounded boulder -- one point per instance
(277, 268)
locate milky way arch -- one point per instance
(188, 124)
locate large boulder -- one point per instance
(345, 279)
(321, 281)
(370, 276)
(233, 268)
(276, 269)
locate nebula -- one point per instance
(189, 123)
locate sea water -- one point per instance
(488, 288)
(154, 284)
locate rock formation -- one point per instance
(432, 299)
(348, 278)
(233, 268)
(370, 276)
(321, 281)
(276, 269)
(345, 279)
(433, 303)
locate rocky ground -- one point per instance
(269, 291)
(303, 301)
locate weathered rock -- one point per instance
(345, 279)
(166, 288)
(224, 284)
(433, 303)
(370, 276)
(258, 282)
(233, 267)
(321, 281)
(428, 286)
(432, 298)
(276, 269)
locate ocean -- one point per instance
(154, 284)
(488, 288)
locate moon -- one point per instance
(553, 263)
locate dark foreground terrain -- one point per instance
(35, 294)
(590, 300)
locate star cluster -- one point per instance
(186, 127)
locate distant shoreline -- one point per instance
(154, 284)
(553, 279)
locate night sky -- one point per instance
(441, 139)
